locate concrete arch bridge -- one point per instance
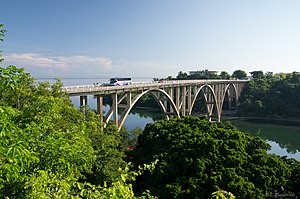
(175, 97)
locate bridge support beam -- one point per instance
(183, 107)
(83, 100)
(178, 98)
(115, 108)
(189, 99)
(100, 107)
(170, 92)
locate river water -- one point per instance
(284, 139)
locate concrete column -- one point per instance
(165, 102)
(178, 98)
(219, 88)
(219, 95)
(129, 98)
(209, 103)
(183, 109)
(83, 100)
(100, 107)
(237, 85)
(115, 108)
(189, 98)
(171, 96)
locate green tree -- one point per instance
(257, 74)
(16, 86)
(47, 145)
(224, 75)
(181, 75)
(239, 74)
(197, 158)
(204, 74)
(2, 31)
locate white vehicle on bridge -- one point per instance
(120, 81)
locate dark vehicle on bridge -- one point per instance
(120, 81)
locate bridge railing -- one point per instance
(96, 87)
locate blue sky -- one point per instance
(157, 38)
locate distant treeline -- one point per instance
(267, 94)
(206, 74)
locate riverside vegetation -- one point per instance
(266, 95)
(49, 149)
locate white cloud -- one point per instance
(81, 59)
(32, 59)
(48, 65)
(83, 66)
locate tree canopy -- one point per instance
(270, 95)
(197, 158)
(239, 74)
(207, 74)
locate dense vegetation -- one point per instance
(196, 158)
(2, 31)
(276, 96)
(48, 148)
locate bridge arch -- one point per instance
(226, 91)
(137, 97)
(206, 95)
(182, 93)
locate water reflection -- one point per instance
(278, 150)
(137, 118)
(284, 139)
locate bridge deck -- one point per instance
(139, 86)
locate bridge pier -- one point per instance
(115, 108)
(100, 107)
(171, 92)
(178, 98)
(83, 100)
(189, 99)
(183, 100)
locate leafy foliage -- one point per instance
(239, 74)
(119, 189)
(274, 96)
(206, 74)
(16, 86)
(47, 145)
(197, 158)
(2, 31)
